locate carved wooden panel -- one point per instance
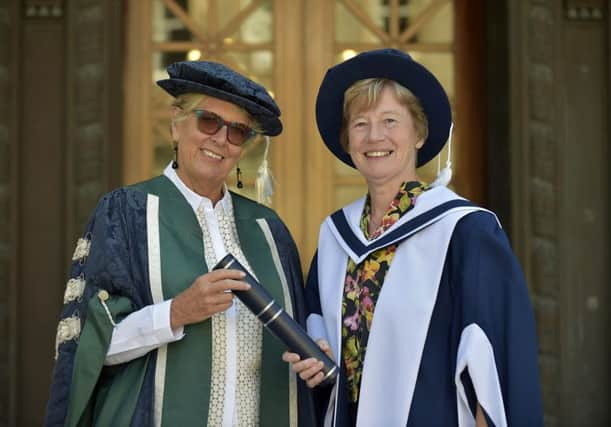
(584, 10)
(542, 214)
(585, 222)
(7, 219)
(561, 104)
(69, 57)
(94, 84)
(43, 9)
(86, 107)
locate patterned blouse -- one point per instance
(364, 283)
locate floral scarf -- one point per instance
(364, 283)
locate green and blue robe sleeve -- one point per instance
(108, 280)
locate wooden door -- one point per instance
(288, 46)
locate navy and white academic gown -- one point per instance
(144, 245)
(453, 324)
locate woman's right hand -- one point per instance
(309, 370)
(209, 294)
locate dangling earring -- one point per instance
(264, 184)
(175, 161)
(238, 174)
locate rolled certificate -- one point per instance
(274, 318)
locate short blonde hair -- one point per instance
(364, 94)
(187, 102)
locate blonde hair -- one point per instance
(364, 94)
(187, 102)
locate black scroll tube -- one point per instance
(274, 318)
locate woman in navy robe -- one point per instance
(414, 290)
(149, 335)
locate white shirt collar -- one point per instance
(194, 199)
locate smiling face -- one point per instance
(205, 161)
(383, 141)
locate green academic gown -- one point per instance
(143, 245)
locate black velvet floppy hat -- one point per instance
(219, 81)
(390, 64)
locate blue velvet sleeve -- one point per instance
(493, 298)
(111, 255)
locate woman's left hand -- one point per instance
(309, 370)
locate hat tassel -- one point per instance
(444, 176)
(265, 180)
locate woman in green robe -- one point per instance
(149, 335)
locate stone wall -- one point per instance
(60, 150)
(560, 204)
(6, 241)
(7, 219)
(94, 107)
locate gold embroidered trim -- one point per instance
(67, 329)
(82, 249)
(74, 289)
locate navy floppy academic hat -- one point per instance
(389, 64)
(219, 81)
